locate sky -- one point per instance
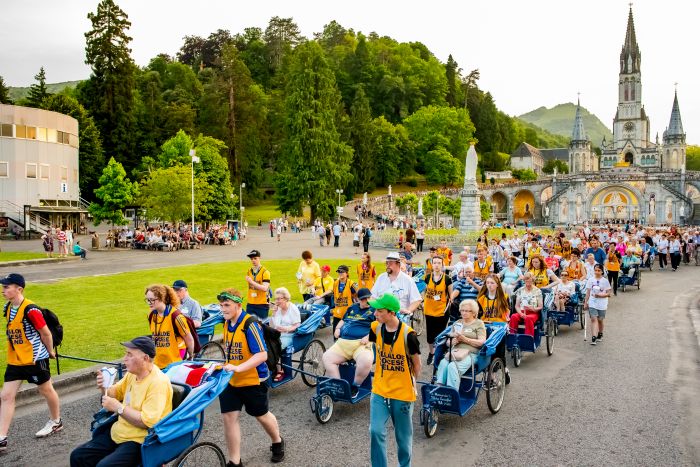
(530, 54)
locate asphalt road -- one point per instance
(632, 400)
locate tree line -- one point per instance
(300, 117)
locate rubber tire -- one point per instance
(326, 417)
(214, 348)
(182, 458)
(639, 278)
(494, 398)
(551, 324)
(310, 381)
(430, 423)
(517, 356)
(418, 321)
(581, 316)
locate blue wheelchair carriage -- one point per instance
(331, 390)
(211, 350)
(517, 342)
(310, 364)
(417, 319)
(573, 312)
(174, 438)
(487, 373)
(635, 280)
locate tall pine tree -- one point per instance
(315, 162)
(363, 142)
(4, 93)
(451, 70)
(108, 94)
(37, 91)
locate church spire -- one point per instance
(675, 126)
(578, 133)
(630, 57)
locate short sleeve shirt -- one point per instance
(191, 308)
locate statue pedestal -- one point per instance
(470, 213)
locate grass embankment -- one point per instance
(19, 256)
(97, 313)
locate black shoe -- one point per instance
(277, 451)
(354, 391)
(600, 337)
(231, 464)
(430, 359)
(507, 376)
(593, 338)
(3, 444)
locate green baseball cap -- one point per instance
(386, 302)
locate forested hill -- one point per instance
(560, 120)
(19, 93)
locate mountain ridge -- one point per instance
(560, 121)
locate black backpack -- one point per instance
(51, 320)
(272, 342)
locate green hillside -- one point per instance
(560, 120)
(20, 93)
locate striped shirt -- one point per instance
(465, 289)
(33, 336)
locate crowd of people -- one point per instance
(510, 279)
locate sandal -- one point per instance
(279, 376)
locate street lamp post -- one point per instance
(240, 199)
(194, 159)
(340, 192)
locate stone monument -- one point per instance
(470, 213)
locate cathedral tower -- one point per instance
(581, 158)
(674, 140)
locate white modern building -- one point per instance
(39, 169)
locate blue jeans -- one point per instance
(450, 372)
(401, 414)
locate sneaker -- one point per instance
(277, 451)
(507, 376)
(354, 391)
(593, 339)
(231, 464)
(600, 337)
(50, 428)
(430, 359)
(3, 444)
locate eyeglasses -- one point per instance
(150, 301)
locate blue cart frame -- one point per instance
(331, 390)
(517, 343)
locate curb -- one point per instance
(27, 262)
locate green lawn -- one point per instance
(19, 255)
(97, 313)
(265, 212)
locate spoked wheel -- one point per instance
(430, 422)
(200, 454)
(312, 362)
(581, 317)
(324, 409)
(211, 351)
(556, 328)
(418, 321)
(496, 385)
(517, 355)
(551, 325)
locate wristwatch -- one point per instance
(120, 410)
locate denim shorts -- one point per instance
(596, 313)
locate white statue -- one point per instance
(420, 206)
(669, 210)
(546, 210)
(470, 164)
(389, 190)
(681, 210)
(652, 205)
(364, 199)
(579, 206)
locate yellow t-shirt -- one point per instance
(309, 274)
(152, 396)
(323, 285)
(255, 296)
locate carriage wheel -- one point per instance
(430, 422)
(199, 454)
(324, 409)
(581, 317)
(418, 321)
(211, 351)
(312, 362)
(551, 325)
(639, 278)
(517, 356)
(496, 385)
(556, 328)
(622, 283)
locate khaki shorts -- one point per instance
(350, 349)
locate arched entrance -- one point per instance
(523, 206)
(629, 158)
(499, 205)
(617, 203)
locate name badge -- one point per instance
(253, 294)
(436, 297)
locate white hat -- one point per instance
(393, 256)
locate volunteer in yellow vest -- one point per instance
(483, 266)
(494, 307)
(544, 277)
(344, 294)
(612, 265)
(246, 357)
(140, 399)
(429, 261)
(366, 274)
(29, 348)
(171, 334)
(444, 251)
(397, 361)
(438, 290)
(258, 279)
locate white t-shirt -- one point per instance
(569, 288)
(662, 245)
(598, 286)
(404, 288)
(290, 318)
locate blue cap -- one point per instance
(12, 278)
(142, 343)
(179, 284)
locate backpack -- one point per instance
(190, 324)
(51, 320)
(368, 232)
(272, 342)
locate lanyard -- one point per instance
(165, 315)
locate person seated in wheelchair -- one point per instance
(646, 252)
(563, 292)
(286, 319)
(630, 264)
(467, 335)
(528, 304)
(140, 399)
(352, 334)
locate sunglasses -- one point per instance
(227, 296)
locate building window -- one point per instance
(51, 135)
(20, 131)
(64, 174)
(44, 170)
(31, 132)
(6, 130)
(4, 169)
(31, 170)
(41, 134)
